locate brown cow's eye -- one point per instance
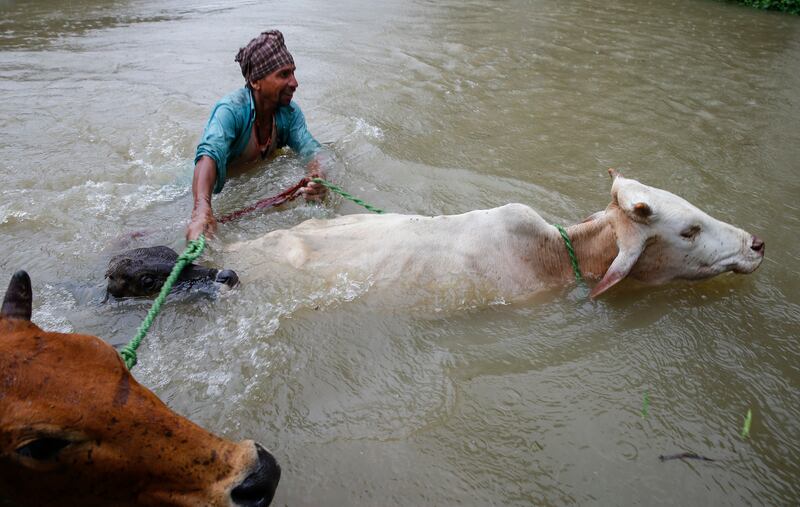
(147, 282)
(43, 448)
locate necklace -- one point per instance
(263, 148)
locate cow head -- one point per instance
(143, 271)
(662, 237)
(77, 429)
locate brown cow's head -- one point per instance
(77, 429)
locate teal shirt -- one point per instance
(228, 131)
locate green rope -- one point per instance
(192, 252)
(571, 251)
(346, 195)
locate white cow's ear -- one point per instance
(639, 212)
(631, 242)
(619, 269)
(17, 302)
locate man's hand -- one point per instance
(315, 191)
(203, 222)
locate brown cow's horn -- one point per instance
(18, 300)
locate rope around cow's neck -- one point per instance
(192, 252)
(571, 251)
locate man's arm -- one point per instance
(203, 221)
(303, 143)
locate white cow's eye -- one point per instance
(691, 232)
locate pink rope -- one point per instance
(287, 195)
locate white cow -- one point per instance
(510, 252)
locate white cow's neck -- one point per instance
(595, 245)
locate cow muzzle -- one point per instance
(258, 488)
(753, 256)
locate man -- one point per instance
(248, 125)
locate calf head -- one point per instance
(77, 429)
(143, 271)
(662, 237)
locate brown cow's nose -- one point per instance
(259, 487)
(757, 244)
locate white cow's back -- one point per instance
(484, 249)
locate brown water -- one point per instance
(434, 107)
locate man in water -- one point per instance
(248, 125)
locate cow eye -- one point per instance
(43, 448)
(691, 232)
(147, 282)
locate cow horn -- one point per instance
(18, 300)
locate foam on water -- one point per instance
(363, 128)
(54, 303)
(121, 199)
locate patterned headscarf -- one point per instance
(263, 55)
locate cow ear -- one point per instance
(642, 209)
(619, 269)
(630, 242)
(640, 212)
(18, 299)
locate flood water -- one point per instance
(433, 108)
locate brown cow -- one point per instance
(77, 429)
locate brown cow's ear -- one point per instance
(18, 300)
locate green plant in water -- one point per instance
(747, 420)
(645, 404)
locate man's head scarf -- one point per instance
(263, 55)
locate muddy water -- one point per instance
(432, 108)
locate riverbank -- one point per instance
(790, 6)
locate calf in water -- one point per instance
(141, 272)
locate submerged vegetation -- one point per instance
(792, 6)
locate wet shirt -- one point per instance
(230, 125)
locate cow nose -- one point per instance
(757, 245)
(259, 487)
(227, 277)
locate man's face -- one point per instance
(278, 87)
